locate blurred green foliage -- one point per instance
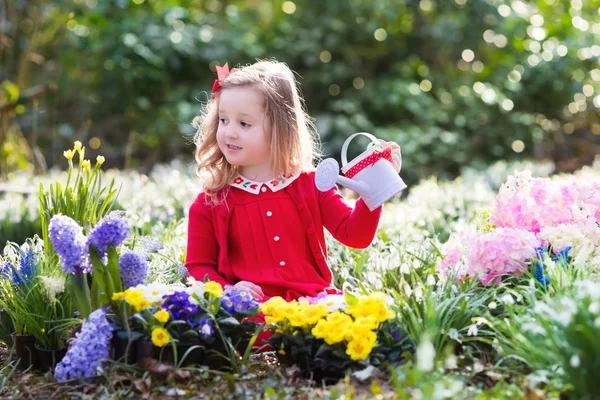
(453, 82)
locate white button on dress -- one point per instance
(282, 263)
(269, 213)
(263, 189)
(276, 238)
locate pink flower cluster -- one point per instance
(527, 214)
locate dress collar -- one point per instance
(250, 186)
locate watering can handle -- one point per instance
(347, 142)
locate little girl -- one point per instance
(259, 222)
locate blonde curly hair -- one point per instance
(293, 138)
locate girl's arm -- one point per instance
(354, 227)
(202, 248)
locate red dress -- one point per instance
(271, 234)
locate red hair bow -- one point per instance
(222, 73)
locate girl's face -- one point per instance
(244, 132)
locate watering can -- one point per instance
(371, 174)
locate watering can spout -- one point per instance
(359, 187)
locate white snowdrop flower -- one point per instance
(430, 280)
(404, 269)
(533, 327)
(408, 290)
(451, 362)
(543, 308)
(565, 315)
(594, 307)
(472, 330)
(492, 305)
(425, 356)
(507, 299)
(496, 346)
(575, 361)
(454, 334)
(53, 286)
(419, 292)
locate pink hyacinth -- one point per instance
(500, 252)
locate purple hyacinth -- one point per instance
(67, 238)
(133, 267)
(179, 305)
(6, 270)
(88, 350)
(111, 230)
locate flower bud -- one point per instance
(86, 164)
(69, 154)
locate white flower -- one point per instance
(430, 280)
(334, 302)
(472, 330)
(404, 269)
(575, 361)
(492, 305)
(450, 362)
(419, 292)
(425, 356)
(195, 287)
(533, 327)
(507, 299)
(154, 292)
(53, 286)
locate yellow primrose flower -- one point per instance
(118, 296)
(214, 288)
(160, 337)
(297, 319)
(162, 316)
(312, 312)
(366, 323)
(100, 160)
(133, 296)
(274, 302)
(359, 349)
(77, 145)
(320, 330)
(141, 305)
(69, 154)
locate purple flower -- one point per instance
(28, 265)
(67, 238)
(205, 327)
(111, 230)
(395, 334)
(179, 305)
(133, 267)
(6, 270)
(237, 300)
(87, 351)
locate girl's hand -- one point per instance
(253, 289)
(396, 156)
